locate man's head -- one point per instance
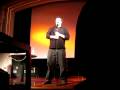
(58, 22)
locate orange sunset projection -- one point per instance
(43, 17)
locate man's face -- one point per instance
(58, 22)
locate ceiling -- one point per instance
(7, 1)
(4, 2)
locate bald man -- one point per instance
(57, 54)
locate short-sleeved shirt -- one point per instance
(57, 43)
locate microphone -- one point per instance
(57, 25)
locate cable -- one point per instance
(17, 60)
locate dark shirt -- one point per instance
(57, 43)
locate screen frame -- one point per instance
(16, 6)
(35, 43)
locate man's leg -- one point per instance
(50, 65)
(62, 65)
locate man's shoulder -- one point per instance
(53, 27)
(64, 28)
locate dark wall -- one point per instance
(87, 48)
(22, 25)
(96, 44)
(87, 36)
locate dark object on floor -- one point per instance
(4, 80)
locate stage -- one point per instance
(72, 83)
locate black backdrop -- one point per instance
(22, 25)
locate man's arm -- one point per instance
(49, 36)
(54, 37)
(60, 35)
(67, 35)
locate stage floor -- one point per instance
(72, 82)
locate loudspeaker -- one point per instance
(4, 80)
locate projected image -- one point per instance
(43, 18)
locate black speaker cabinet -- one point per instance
(4, 80)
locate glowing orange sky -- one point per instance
(43, 17)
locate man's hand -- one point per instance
(59, 34)
(54, 36)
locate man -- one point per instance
(56, 53)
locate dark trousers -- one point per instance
(56, 57)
